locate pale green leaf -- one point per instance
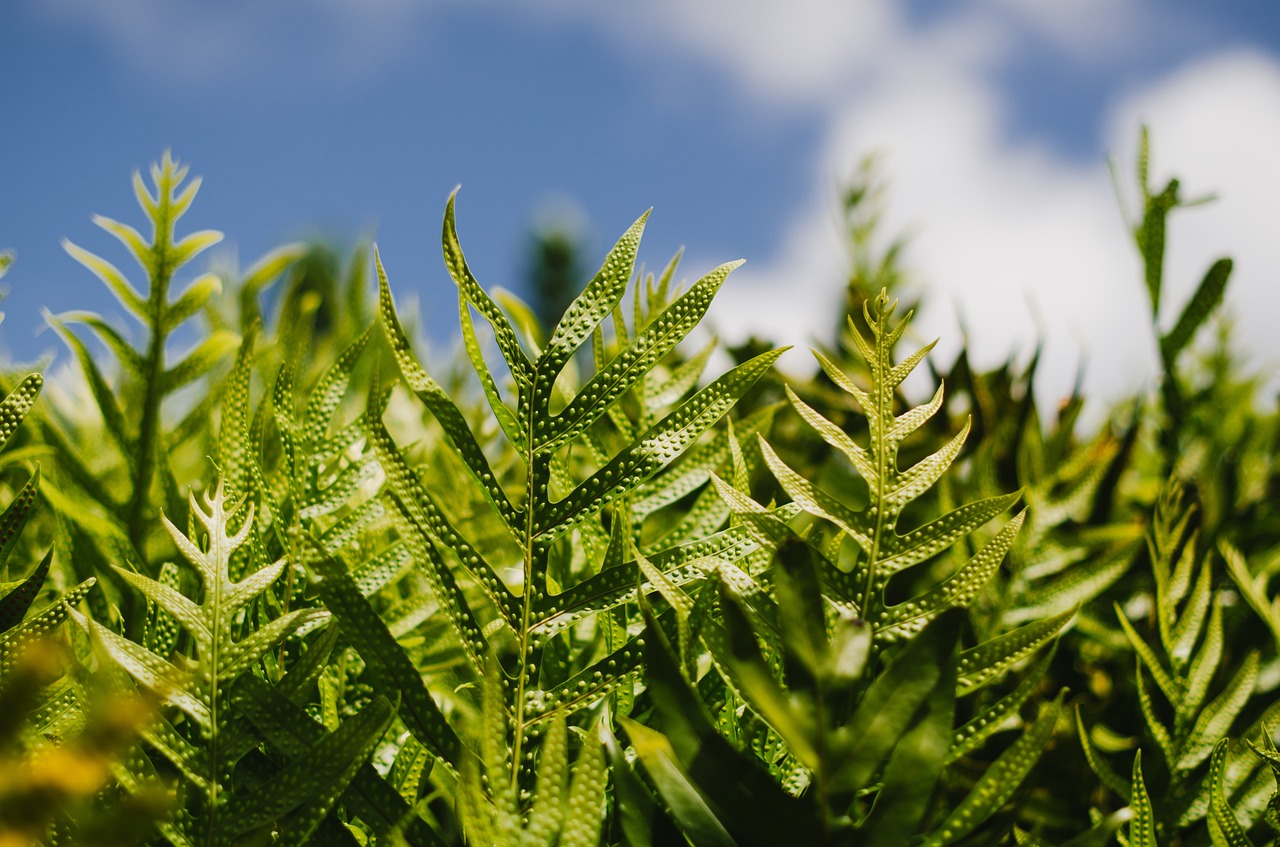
(114, 279)
(594, 304)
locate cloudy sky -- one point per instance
(735, 120)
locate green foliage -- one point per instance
(582, 592)
(557, 500)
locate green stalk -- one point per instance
(148, 429)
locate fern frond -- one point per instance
(200, 685)
(580, 454)
(882, 550)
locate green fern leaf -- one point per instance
(18, 638)
(14, 519)
(313, 780)
(1214, 722)
(219, 658)
(585, 806)
(15, 604)
(388, 665)
(1000, 780)
(1103, 771)
(882, 551)
(1149, 659)
(1142, 827)
(578, 467)
(1224, 827)
(987, 662)
(990, 720)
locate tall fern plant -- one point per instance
(110, 498)
(543, 504)
(862, 720)
(133, 422)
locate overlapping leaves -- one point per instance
(201, 738)
(554, 496)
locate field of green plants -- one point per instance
(296, 585)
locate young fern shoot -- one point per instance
(881, 551)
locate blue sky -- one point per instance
(734, 120)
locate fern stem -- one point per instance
(531, 548)
(147, 436)
(148, 429)
(883, 412)
(219, 555)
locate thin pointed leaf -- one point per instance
(1142, 826)
(388, 664)
(975, 732)
(15, 604)
(813, 499)
(657, 447)
(193, 245)
(1157, 729)
(593, 305)
(172, 602)
(287, 727)
(1149, 659)
(910, 484)
(191, 301)
(446, 412)
(547, 812)
(1214, 722)
(103, 396)
(207, 354)
(585, 808)
(14, 408)
(328, 393)
(508, 344)
(903, 551)
(129, 359)
(1208, 296)
(114, 279)
(15, 516)
(505, 417)
(1203, 666)
(1103, 771)
(630, 366)
(837, 438)
(324, 769)
(956, 591)
(981, 665)
(1224, 828)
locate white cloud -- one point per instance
(801, 51)
(185, 43)
(1007, 235)
(1022, 241)
(1088, 29)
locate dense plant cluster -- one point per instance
(290, 587)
